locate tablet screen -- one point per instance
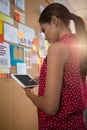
(25, 80)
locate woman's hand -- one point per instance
(36, 77)
(28, 91)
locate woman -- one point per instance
(62, 85)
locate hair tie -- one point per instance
(71, 16)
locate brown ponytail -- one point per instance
(82, 37)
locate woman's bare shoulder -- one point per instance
(58, 49)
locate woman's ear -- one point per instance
(55, 20)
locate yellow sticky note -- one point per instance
(1, 30)
(6, 19)
(35, 48)
(20, 34)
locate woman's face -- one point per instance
(51, 32)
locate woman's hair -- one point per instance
(61, 12)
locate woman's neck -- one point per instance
(64, 30)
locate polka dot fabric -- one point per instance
(73, 97)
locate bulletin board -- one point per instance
(19, 34)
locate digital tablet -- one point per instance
(24, 80)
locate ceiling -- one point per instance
(78, 7)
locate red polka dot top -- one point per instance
(73, 95)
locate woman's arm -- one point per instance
(56, 59)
